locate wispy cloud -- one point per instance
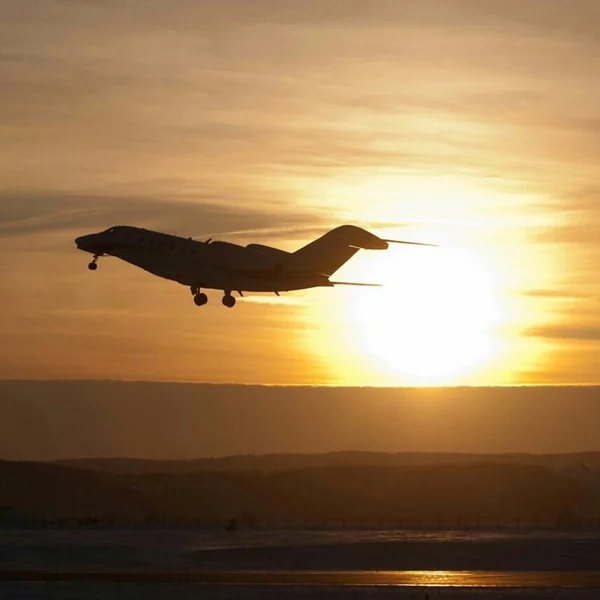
(114, 90)
(22, 214)
(278, 301)
(556, 294)
(558, 332)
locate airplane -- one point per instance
(230, 267)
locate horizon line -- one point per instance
(294, 385)
(327, 453)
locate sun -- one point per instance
(432, 322)
(450, 315)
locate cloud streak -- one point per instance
(22, 214)
(577, 333)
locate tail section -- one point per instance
(328, 253)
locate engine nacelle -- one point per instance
(268, 251)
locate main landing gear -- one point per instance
(200, 298)
(228, 300)
(94, 264)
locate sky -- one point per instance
(472, 124)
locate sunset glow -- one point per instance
(467, 124)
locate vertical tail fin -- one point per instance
(328, 253)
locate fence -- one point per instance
(333, 523)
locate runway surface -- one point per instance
(463, 579)
(161, 563)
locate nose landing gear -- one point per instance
(94, 264)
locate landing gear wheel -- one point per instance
(93, 265)
(228, 301)
(200, 299)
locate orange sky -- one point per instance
(472, 124)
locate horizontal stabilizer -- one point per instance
(411, 243)
(353, 283)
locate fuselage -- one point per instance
(209, 264)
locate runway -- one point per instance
(463, 579)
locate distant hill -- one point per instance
(343, 485)
(45, 491)
(283, 462)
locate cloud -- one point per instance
(557, 294)
(211, 71)
(22, 214)
(584, 235)
(560, 295)
(277, 301)
(558, 332)
(550, 15)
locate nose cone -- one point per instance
(85, 242)
(80, 241)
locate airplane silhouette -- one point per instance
(228, 267)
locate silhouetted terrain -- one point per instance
(282, 462)
(359, 486)
(40, 490)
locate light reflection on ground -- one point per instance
(463, 579)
